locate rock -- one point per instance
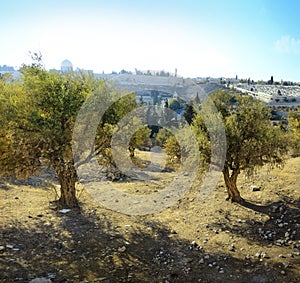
(40, 280)
(257, 255)
(264, 255)
(51, 275)
(122, 249)
(232, 248)
(65, 210)
(286, 264)
(259, 278)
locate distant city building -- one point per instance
(8, 69)
(84, 71)
(272, 95)
(66, 66)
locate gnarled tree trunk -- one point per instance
(230, 182)
(131, 151)
(67, 178)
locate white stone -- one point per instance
(40, 280)
(65, 210)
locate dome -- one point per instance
(66, 65)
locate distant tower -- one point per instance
(66, 66)
(175, 72)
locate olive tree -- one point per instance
(110, 124)
(294, 127)
(251, 141)
(37, 118)
(140, 139)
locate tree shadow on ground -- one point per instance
(45, 177)
(281, 229)
(85, 246)
(284, 217)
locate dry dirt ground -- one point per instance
(194, 240)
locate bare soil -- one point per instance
(194, 240)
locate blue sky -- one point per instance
(255, 39)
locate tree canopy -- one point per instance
(37, 118)
(294, 126)
(251, 140)
(37, 122)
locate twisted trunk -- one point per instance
(67, 178)
(131, 151)
(230, 182)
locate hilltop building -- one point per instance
(8, 69)
(66, 66)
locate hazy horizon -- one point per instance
(256, 39)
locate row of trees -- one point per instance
(38, 114)
(161, 73)
(37, 118)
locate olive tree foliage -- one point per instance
(13, 139)
(294, 130)
(37, 117)
(110, 110)
(162, 136)
(38, 114)
(108, 124)
(140, 140)
(251, 141)
(173, 151)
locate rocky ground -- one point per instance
(194, 240)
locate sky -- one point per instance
(216, 38)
